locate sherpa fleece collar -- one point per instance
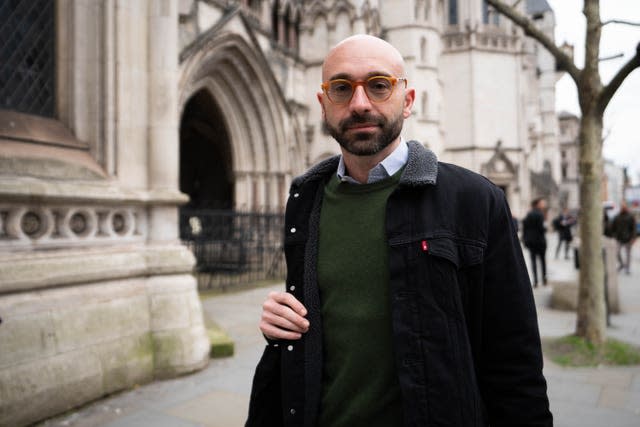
(421, 168)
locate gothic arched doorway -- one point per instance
(235, 160)
(206, 173)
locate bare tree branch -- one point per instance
(564, 61)
(516, 4)
(609, 90)
(607, 58)
(621, 21)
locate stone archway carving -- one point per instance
(501, 170)
(240, 80)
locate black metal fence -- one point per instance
(234, 248)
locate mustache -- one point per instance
(356, 119)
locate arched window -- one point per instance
(288, 28)
(343, 25)
(485, 12)
(275, 18)
(27, 57)
(254, 5)
(453, 12)
(296, 33)
(424, 104)
(489, 15)
(423, 49)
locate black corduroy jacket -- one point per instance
(464, 323)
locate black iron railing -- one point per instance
(233, 248)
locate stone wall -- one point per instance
(96, 290)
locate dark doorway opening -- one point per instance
(231, 248)
(206, 172)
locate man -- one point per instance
(623, 229)
(562, 224)
(533, 235)
(407, 300)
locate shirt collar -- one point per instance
(386, 168)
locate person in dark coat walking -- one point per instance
(407, 299)
(562, 224)
(623, 229)
(533, 234)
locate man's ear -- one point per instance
(321, 101)
(409, 99)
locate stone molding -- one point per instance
(31, 226)
(494, 41)
(20, 272)
(29, 190)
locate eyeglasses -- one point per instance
(377, 88)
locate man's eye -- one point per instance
(340, 87)
(379, 84)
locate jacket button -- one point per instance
(293, 230)
(296, 195)
(292, 411)
(290, 348)
(292, 288)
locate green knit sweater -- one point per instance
(360, 384)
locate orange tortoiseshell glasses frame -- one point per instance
(377, 88)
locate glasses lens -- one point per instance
(379, 88)
(340, 90)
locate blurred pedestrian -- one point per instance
(623, 229)
(562, 224)
(533, 234)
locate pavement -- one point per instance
(218, 395)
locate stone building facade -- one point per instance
(569, 195)
(485, 94)
(96, 290)
(155, 104)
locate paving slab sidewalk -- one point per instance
(218, 395)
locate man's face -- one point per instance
(361, 126)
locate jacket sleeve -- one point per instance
(510, 372)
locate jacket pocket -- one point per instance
(460, 252)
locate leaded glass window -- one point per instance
(453, 12)
(27, 56)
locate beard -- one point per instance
(365, 143)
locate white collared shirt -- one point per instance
(386, 168)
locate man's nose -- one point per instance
(360, 102)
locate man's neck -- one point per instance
(358, 167)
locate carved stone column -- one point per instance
(176, 324)
(163, 122)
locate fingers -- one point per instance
(283, 317)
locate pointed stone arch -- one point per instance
(238, 78)
(502, 171)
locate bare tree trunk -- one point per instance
(594, 98)
(591, 319)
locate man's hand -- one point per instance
(283, 317)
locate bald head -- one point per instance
(362, 49)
